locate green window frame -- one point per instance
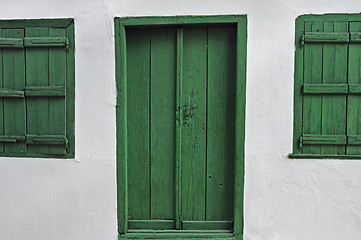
(327, 87)
(37, 88)
(121, 24)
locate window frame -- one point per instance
(121, 120)
(298, 82)
(67, 23)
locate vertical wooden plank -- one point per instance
(2, 146)
(312, 109)
(14, 78)
(178, 156)
(354, 101)
(138, 81)
(240, 112)
(194, 123)
(298, 99)
(70, 89)
(37, 74)
(121, 115)
(162, 114)
(220, 123)
(334, 72)
(57, 77)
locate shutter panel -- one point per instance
(45, 90)
(325, 79)
(13, 74)
(354, 98)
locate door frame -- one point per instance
(121, 106)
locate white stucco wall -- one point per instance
(285, 199)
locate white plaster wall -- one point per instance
(42, 199)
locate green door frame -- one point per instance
(121, 111)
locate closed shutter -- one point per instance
(331, 88)
(33, 90)
(325, 88)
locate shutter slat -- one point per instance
(329, 37)
(11, 43)
(312, 74)
(309, 139)
(14, 79)
(9, 93)
(47, 91)
(45, 41)
(37, 74)
(46, 139)
(57, 80)
(334, 71)
(325, 89)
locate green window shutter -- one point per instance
(327, 87)
(37, 88)
(45, 89)
(324, 87)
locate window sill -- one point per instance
(324, 156)
(36, 155)
(176, 234)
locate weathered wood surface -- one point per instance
(180, 126)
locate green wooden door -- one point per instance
(180, 126)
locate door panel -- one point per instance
(162, 121)
(220, 123)
(193, 140)
(138, 59)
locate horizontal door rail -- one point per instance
(207, 225)
(314, 89)
(186, 225)
(151, 224)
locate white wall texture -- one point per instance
(285, 199)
